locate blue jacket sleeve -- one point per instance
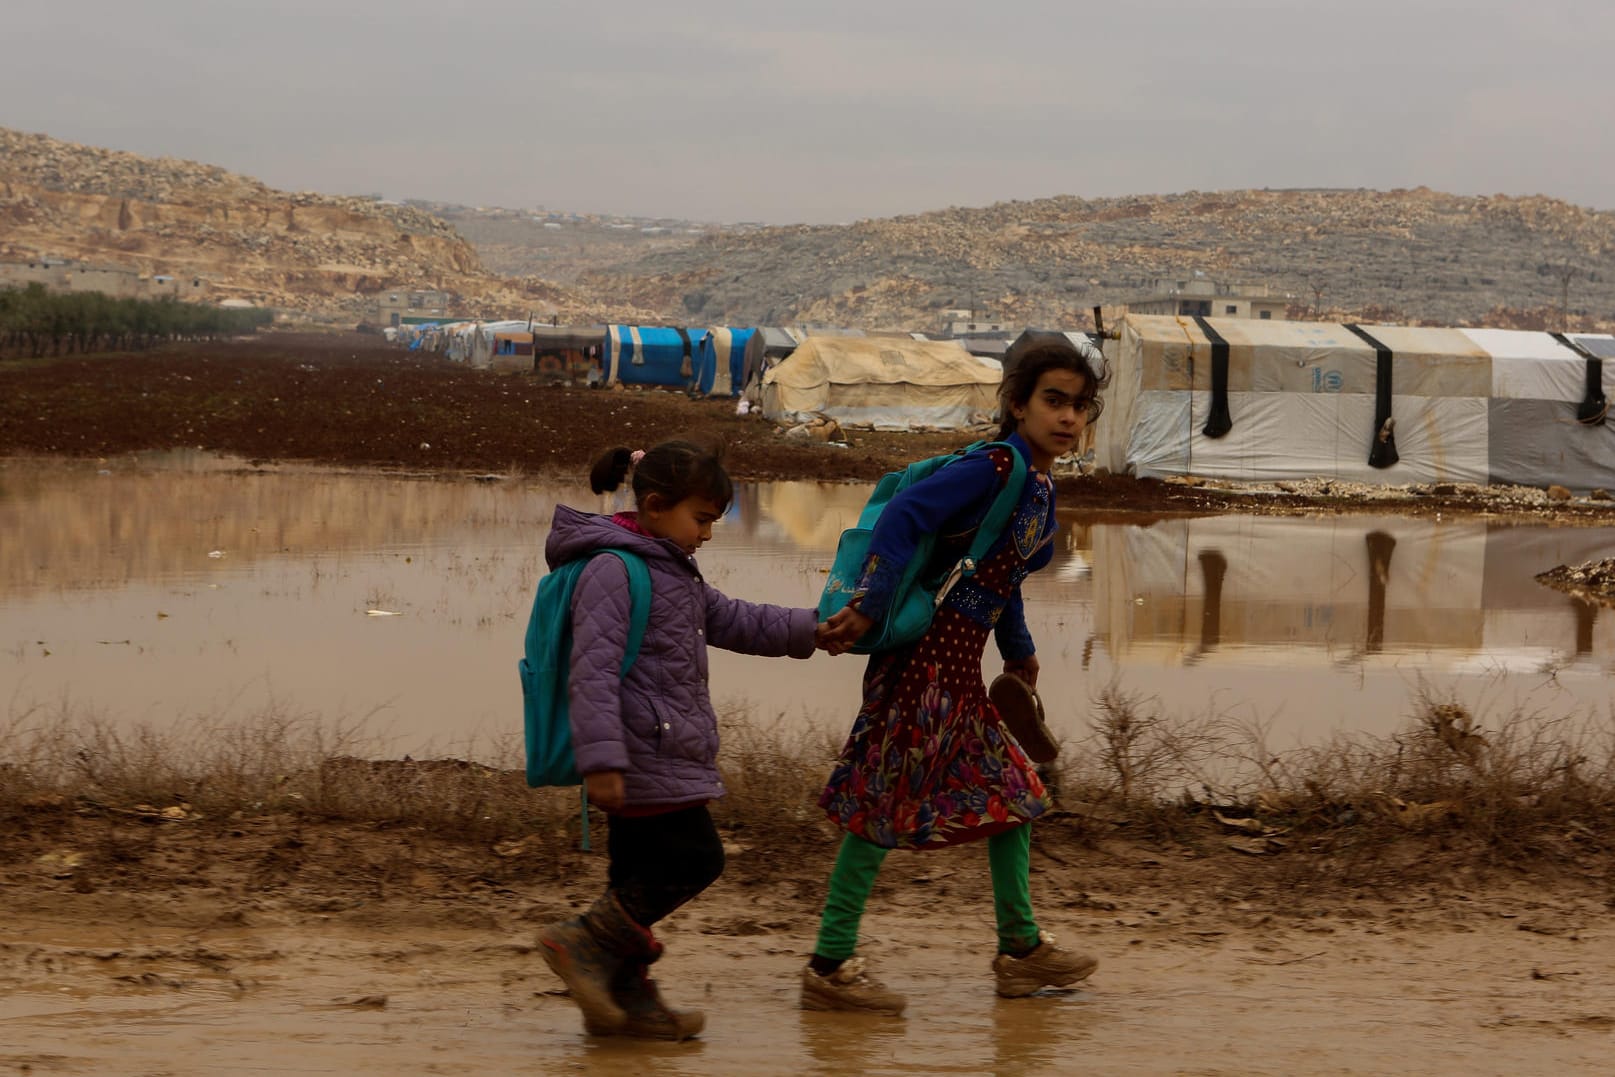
(1014, 640)
(951, 499)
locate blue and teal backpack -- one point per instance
(918, 594)
(546, 665)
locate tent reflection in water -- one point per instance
(888, 383)
(1256, 400)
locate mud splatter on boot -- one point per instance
(649, 1015)
(587, 952)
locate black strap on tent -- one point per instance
(1382, 446)
(1218, 421)
(1593, 406)
(686, 367)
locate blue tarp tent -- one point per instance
(725, 359)
(648, 355)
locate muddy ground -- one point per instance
(351, 399)
(138, 944)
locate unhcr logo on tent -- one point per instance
(1327, 381)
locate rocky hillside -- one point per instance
(301, 251)
(1405, 255)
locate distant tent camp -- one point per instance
(1264, 400)
(889, 383)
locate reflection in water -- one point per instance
(1353, 587)
(1380, 548)
(112, 601)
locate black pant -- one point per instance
(658, 862)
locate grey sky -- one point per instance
(832, 110)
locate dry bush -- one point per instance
(1521, 785)
(270, 763)
(1136, 762)
(773, 773)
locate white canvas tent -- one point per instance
(889, 383)
(1266, 400)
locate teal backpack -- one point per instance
(917, 596)
(546, 665)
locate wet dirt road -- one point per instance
(1500, 983)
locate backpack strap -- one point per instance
(1003, 507)
(638, 604)
(638, 617)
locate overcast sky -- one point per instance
(830, 110)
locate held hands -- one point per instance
(841, 631)
(605, 789)
(1024, 668)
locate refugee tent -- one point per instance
(1264, 400)
(889, 383)
(512, 350)
(986, 346)
(1087, 343)
(723, 358)
(648, 355)
(778, 342)
(566, 351)
(480, 340)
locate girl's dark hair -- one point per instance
(1020, 381)
(674, 470)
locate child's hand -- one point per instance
(1024, 668)
(842, 630)
(605, 789)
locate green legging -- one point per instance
(1009, 855)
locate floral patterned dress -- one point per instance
(929, 762)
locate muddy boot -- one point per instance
(649, 1016)
(587, 952)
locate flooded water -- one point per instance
(182, 587)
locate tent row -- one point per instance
(1238, 399)
(1263, 400)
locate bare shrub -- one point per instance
(773, 774)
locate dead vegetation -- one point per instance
(1513, 791)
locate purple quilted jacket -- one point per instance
(656, 725)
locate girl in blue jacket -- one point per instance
(928, 763)
(647, 743)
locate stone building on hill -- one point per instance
(1209, 298)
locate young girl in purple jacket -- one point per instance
(647, 743)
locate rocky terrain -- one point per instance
(1402, 256)
(293, 251)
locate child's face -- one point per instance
(1053, 418)
(688, 523)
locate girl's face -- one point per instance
(1053, 418)
(688, 523)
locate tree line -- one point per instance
(35, 322)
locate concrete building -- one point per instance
(1209, 298)
(405, 307)
(120, 282)
(959, 322)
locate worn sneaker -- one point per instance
(849, 988)
(1046, 966)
